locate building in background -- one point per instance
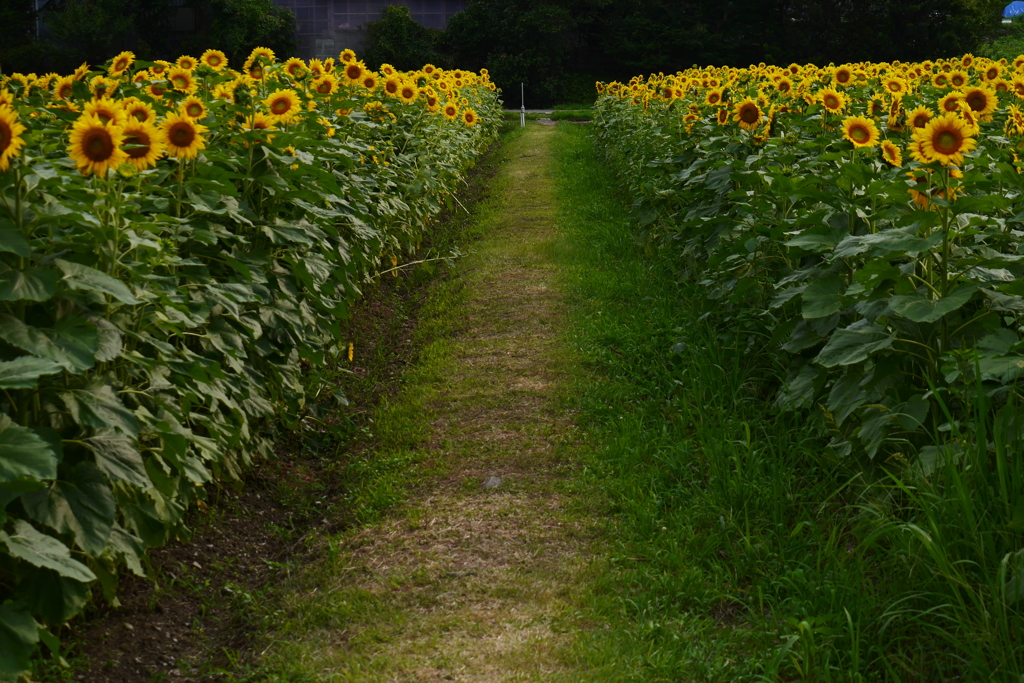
(326, 27)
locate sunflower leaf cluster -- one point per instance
(180, 244)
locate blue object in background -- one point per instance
(1014, 9)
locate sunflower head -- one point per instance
(121, 63)
(183, 137)
(714, 96)
(96, 146)
(450, 111)
(408, 93)
(891, 153)
(143, 143)
(843, 76)
(981, 100)
(950, 103)
(919, 117)
(283, 105)
(945, 139)
(181, 79)
(747, 114)
(193, 107)
(295, 67)
(861, 131)
(215, 59)
(64, 88)
(347, 56)
(469, 117)
(354, 71)
(11, 141)
(370, 81)
(107, 111)
(325, 85)
(392, 85)
(187, 63)
(832, 100)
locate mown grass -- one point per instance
(743, 551)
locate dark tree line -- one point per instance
(558, 47)
(65, 33)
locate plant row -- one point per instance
(179, 247)
(859, 227)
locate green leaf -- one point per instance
(83, 505)
(854, 344)
(25, 453)
(22, 373)
(31, 284)
(53, 597)
(73, 345)
(99, 407)
(44, 551)
(921, 309)
(901, 239)
(13, 242)
(823, 297)
(119, 458)
(78, 276)
(19, 634)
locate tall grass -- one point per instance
(743, 550)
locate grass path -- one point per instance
(469, 582)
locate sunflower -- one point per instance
(96, 147)
(747, 114)
(106, 110)
(992, 72)
(892, 153)
(945, 139)
(325, 85)
(450, 111)
(81, 71)
(193, 107)
(941, 80)
(140, 77)
(861, 131)
(370, 81)
(328, 65)
(428, 69)
(354, 72)
(347, 56)
(225, 91)
(102, 86)
(264, 53)
(843, 76)
(11, 141)
(392, 85)
(143, 143)
(64, 88)
(714, 96)
(981, 100)
(120, 64)
(215, 59)
(295, 67)
(255, 72)
(832, 100)
(136, 109)
(408, 93)
(183, 136)
(896, 87)
(1000, 85)
(919, 117)
(722, 116)
(469, 117)
(1016, 117)
(784, 85)
(316, 69)
(159, 67)
(958, 79)
(387, 69)
(259, 122)
(283, 105)
(970, 118)
(950, 103)
(156, 90)
(181, 79)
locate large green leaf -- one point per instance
(117, 455)
(24, 454)
(44, 551)
(854, 344)
(22, 373)
(13, 242)
(31, 284)
(823, 297)
(100, 408)
(921, 309)
(82, 504)
(73, 345)
(19, 634)
(54, 597)
(78, 276)
(898, 239)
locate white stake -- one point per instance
(522, 109)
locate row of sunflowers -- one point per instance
(179, 247)
(858, 230)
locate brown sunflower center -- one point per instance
(860, 133)
(353, 72)
(952, 104)
(324, 88)
(957, 81)
(6, 135)
(842, 76)
(831, 102)
(713, 98)
(65, 91)
(139, 114)
(941, 80)
(408, 93)
(391, 87)
(749, 113)
(121, 65)
(181, 134)
(992, 74)
(784, 86)
(194, 109)
(920, 121)
(279, 106)
(137, 144)
(97, 145)
(213, 60)
(947, 142)
(977, 101)
(180, 81)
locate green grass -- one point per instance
(743, 552)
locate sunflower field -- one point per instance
(179, 246)
(860, 229)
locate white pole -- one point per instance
(522, 109)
